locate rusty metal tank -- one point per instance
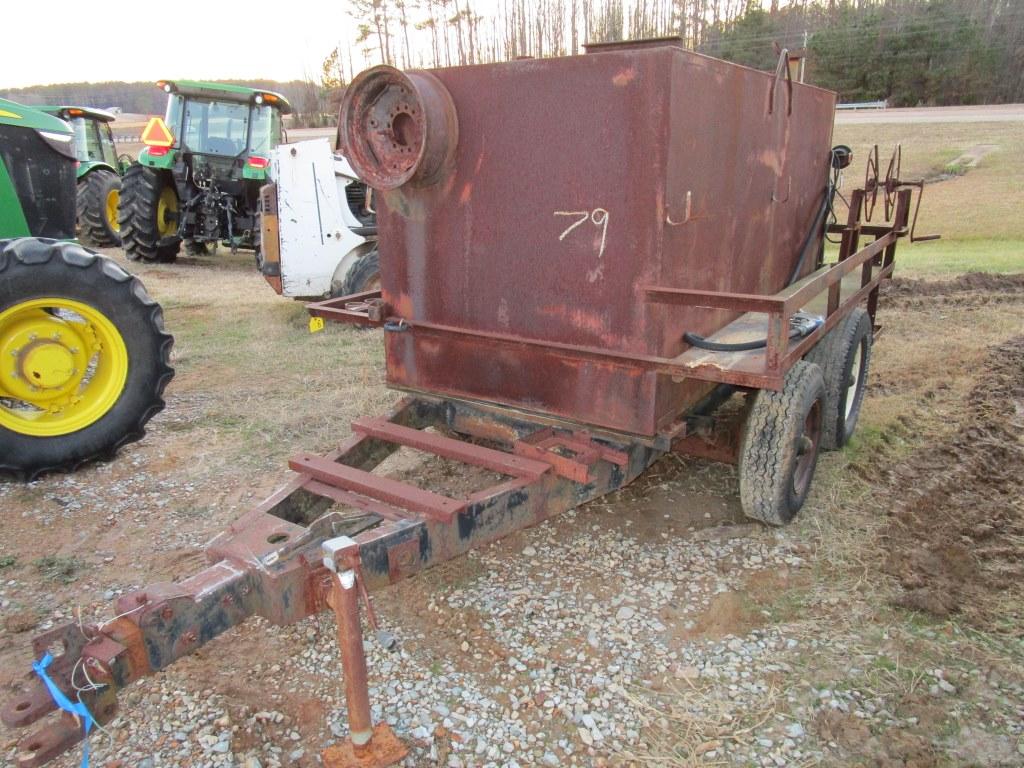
(525, 207)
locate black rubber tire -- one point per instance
(835, 356)
(772, 444)
(140, 236)
(363, 275)
(35, 268)
(93, 227)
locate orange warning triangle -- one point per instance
(157, 133)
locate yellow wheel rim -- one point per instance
(168, 204)
(113, 199)
(63, 365)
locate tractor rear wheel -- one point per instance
(779, 447)
(84, 357)
(149, 215)
(99, 195)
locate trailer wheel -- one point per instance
(99, 196)
(364, 274)
(86, 357)
(844, 356)
(148, 216)
(779, 448)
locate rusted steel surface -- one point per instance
(366, 308)
(460, 450)
(627, 167)
(269, 563)
(344, 601)
(384, 489)
(570, 454)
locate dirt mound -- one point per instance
(891, 749)
(955, 539)
(981, 282)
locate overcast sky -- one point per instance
(59, 41)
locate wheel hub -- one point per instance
(113, 201)
(47, 364)
(63, 365)
(46, 358)
(807, 449)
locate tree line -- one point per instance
(909, 52)
(138, 97)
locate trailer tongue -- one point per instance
(557, 362)
(326, 539)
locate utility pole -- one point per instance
(803, 59)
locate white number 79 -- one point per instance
(598, 217)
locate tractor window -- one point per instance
(107, 144)
(266, 130)
(215, 127)
(172, 118)
(88, 147)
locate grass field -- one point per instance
(978, 213)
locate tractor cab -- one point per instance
(94, 139)
(197, 181)
(37, 174)
(224, 132)
(98, 173)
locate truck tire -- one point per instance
(99, 194)
(844, 356)
(364, 274)
(779, 446)
(64, 309)
(148, 216)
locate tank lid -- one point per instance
(625, 45)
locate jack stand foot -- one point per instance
(383, 749)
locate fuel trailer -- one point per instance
(584, 261)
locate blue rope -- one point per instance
(78, 709)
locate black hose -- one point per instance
(741, 346)
(819, 219)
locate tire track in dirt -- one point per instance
(955, 538)
(992, 286)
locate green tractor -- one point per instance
(199, 177)
(99, 173)
(83, 352)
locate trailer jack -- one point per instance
(367, 746)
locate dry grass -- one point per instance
(685, 722)
(977, 213)
(248, 368)
(984, 203)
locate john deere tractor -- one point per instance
(198, 179)
(83, 352)
(99, 173)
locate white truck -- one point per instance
(318, 230)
